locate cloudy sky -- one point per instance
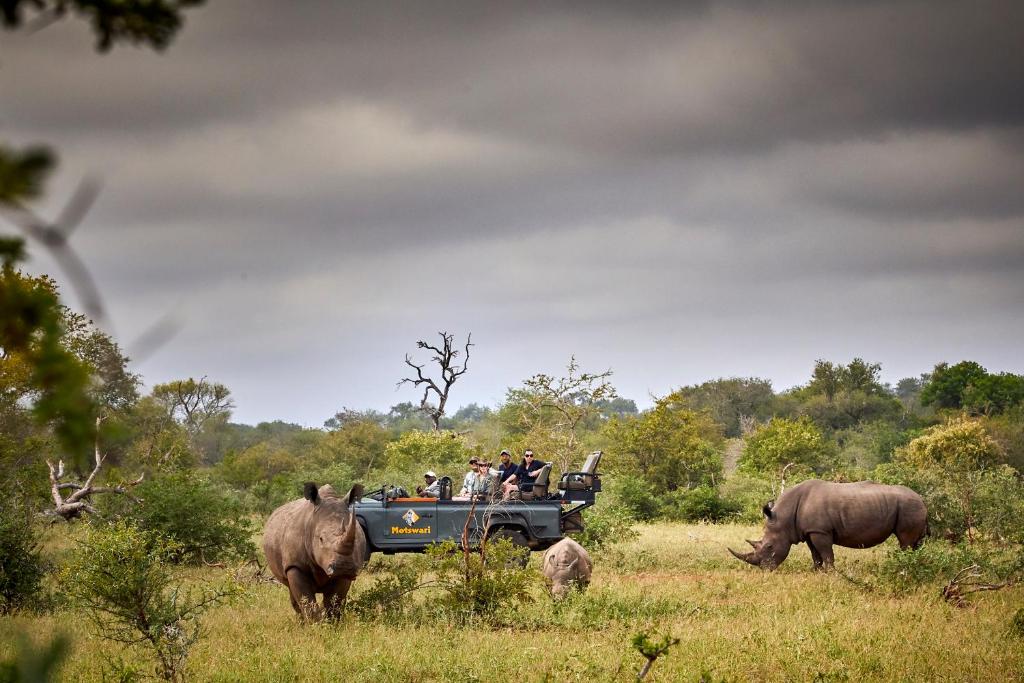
(675, 191)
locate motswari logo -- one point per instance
(411, 517)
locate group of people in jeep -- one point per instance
(482, 478)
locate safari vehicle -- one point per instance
(397, 523)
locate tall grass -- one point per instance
(734, 623)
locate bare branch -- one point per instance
(444, 356)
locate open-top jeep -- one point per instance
(396, 523)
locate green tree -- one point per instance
(549, 414)
(781, 442)
(200, 406)
(948, 383)
(670, 446)
(961, 453)
(729, 401)
(205, 521)
(21, 566)
(416, 452)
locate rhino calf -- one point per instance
(315, 545)
(566, 564)
(822, 514)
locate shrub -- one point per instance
(748, 494)
(205, 521)
(606, 523)
(902, 571)
(267, 495)
(780, 442)
(703, 503)
(482, 582)
(21, 566)
(388, 597)
(120, 577)
(637, 497)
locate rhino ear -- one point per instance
(768, 509)
(355, 493)
(310, 492)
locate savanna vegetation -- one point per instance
(129, 519)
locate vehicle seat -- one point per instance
(584, 479)
(540, 486)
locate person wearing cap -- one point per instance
(525, 474)
(467, 481)
(506, 468)
(433, 487)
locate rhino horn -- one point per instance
(348, 541)
(753, 544)
(746, 557)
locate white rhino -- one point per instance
(566, 564)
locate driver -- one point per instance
(433, 487)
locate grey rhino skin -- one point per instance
(566, 564)
(315, 545)
(823, 514)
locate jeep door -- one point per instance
(410, 523)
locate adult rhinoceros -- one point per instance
(823, 514)
(315, 545)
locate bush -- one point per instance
(481, 583)
(702, 504)
(903, 571)
(934, 562)
(780, 442)
(388, 598)
(120, 577)
(267, 495)
(21, 566)
(205, 521)
(606, 523)
(637, 497)
(748, 494)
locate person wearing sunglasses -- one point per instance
(525, 475)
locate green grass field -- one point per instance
(734, 623)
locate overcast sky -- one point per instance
(674, 191)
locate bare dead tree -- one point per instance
(78, 502)
(445, 357)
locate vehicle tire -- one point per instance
(518, 540)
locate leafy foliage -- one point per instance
(671, 446)
(416, 451)
(21, 566)
(203, 521)
(549, 414)
(140, 22)
(969, 386)
(729, 401)
(701, 504)
(120, 577)
(480, 583)
(606, 523)
(783, 441)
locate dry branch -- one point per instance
(77, 502)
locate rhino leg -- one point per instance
(815, 555)
(303, 595)
(334, 597)
(821, 551)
